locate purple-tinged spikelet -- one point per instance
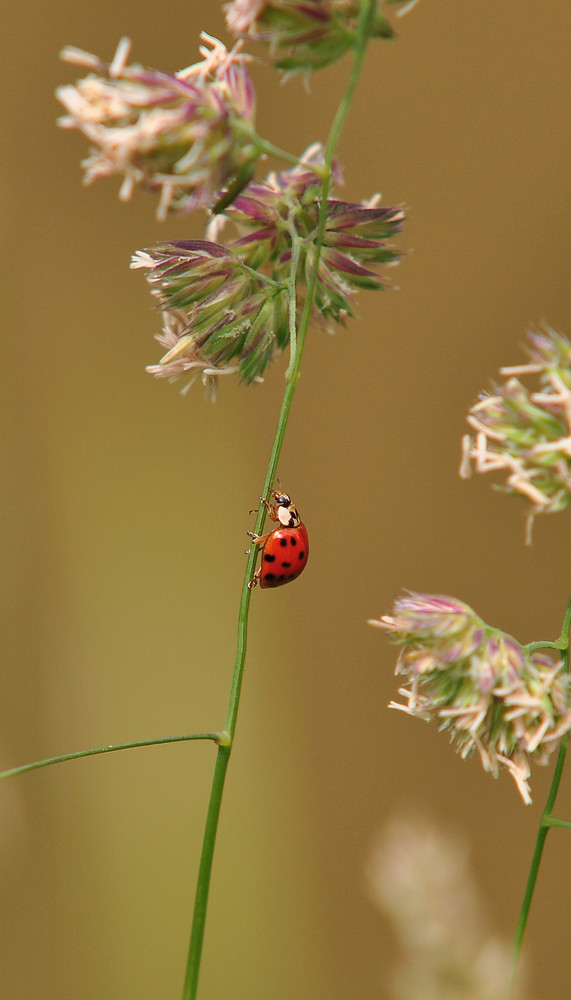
(302, 35)
(231, 299)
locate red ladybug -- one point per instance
(285, 550)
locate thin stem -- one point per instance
(222, 759)
(263, 278)
(564, 637)
(553, 821)
(544, 825)
(215, 737)
(531, 646)
(365, 19)
(547, 820)
(269, 149)
(204, 873)
(223, 756)
(266, 148)
(292, 296)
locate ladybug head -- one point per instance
(286, 511)
(282, 500)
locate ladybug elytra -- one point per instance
(285, 550)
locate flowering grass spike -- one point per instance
(524, 433)
(481, 685)
(231, 300)
(185, 135)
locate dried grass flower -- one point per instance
(527, 433)
(184, 135)
(490, 693)
(421, 878)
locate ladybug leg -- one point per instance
(266, 504)
(270, 507)
(258, 539)
(254, 580)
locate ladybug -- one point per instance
(285, 550)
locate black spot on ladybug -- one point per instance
(293, 541)
(286, 565)
(283, 541)
(301, 555)
(269, 576)
(269, 558)
(282, 578)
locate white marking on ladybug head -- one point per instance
(284, 516)
(289, 517)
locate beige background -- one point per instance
(125, 508)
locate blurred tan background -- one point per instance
(125, 510)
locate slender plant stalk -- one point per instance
(553, 821)
(292, 297)
(215, 737)
(292, 376)
(547, 820)
(268, 149)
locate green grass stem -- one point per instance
(220, 769)
(547, 819)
